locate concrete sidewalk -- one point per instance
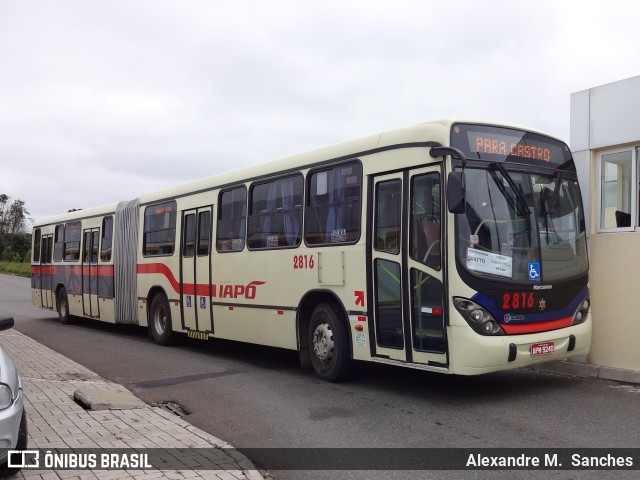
(55, 420)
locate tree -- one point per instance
(13, 215)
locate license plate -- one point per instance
(544, 348)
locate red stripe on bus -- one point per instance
(162, 269)
(537, 327)
(103, 270)
(200, 289)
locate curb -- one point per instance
(590, 371)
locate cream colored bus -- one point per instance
(450, 246)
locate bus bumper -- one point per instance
(476, 354)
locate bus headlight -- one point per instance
(477, 317)
(581, 313)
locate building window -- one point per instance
(275, 214)
(160, 229)
(618, 190)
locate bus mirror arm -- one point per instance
(456, 181)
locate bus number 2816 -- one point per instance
(303, 261)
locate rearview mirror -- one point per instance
(455, 192)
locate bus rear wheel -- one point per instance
(63, 307)
(160, 321)
(328, 342)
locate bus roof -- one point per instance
(434, 131)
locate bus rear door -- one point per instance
(195, 270)
(46, 271)
(90, 304)
(407, 267)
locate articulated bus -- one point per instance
(450, 246)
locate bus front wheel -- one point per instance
(328, 342)
(160, 320)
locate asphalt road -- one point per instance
(259, 397)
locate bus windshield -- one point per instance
(522, 227)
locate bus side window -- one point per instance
(334, 205)
(275, 213)
(160, 229)
(107, 239)
(58, 243)
(37, 235)
(72, 234)
(232, 212)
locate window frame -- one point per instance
(106, 248)
(189, 235)
(438, 220)
(68, 249)
(219, 218)
(634, 190)
(308, 209)
(296, 210)
(58, 243)
(199, 238)
(37, 245)
(377, 217)
(174, 212)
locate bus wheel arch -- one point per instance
(159, 317)
(324, 339)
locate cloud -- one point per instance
(103, 101)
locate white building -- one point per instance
(605, 140)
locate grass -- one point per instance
(16, 268)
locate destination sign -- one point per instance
(497, 144)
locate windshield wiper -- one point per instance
(521, 202)
(556, 192)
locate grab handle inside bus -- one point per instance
(455, 182)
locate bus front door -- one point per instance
(195, 270)
(407, 270)
(90, 304)
(46, 271)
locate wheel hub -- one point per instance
(323, 343)
(160, 320)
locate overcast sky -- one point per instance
(102, 101)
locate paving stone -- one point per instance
(50, 381)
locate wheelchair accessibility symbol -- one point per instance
(534, 270)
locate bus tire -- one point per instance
(160, 321)
(63, 307)
(328, 341)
